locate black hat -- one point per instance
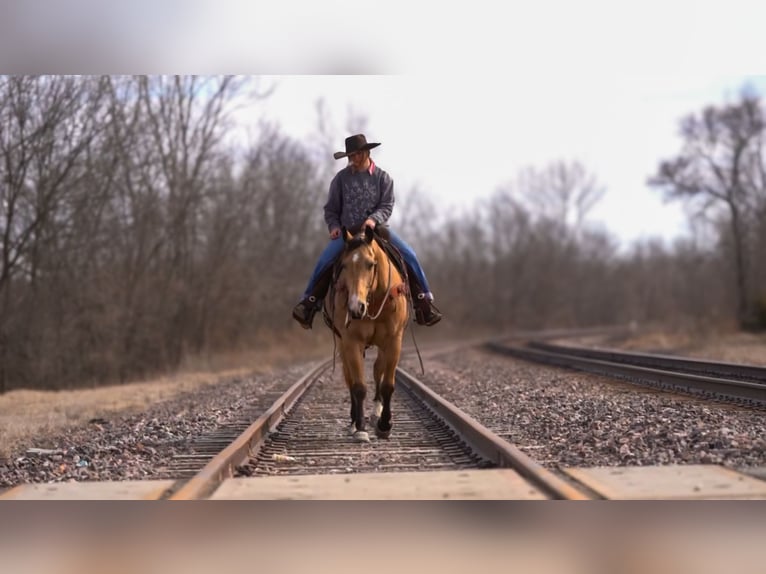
(354, 144)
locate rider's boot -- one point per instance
(426, 312)
(305, 310)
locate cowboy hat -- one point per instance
(354, 144)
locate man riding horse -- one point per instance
(362, 195)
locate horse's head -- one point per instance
(357, 271)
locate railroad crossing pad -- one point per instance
(109, 490)
(487, 484)
(673, 482)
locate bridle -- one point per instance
(368, 300)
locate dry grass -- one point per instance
(749, 348)
(26, 414)
(661, 341)
(728, 346)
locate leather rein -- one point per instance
(391, 292)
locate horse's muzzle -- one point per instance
(357, 311)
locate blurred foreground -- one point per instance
(564, 537)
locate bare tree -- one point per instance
(185, 120)
(721, 165)
(47, 124)
(562, 192)
(285, 231)
(414, 216)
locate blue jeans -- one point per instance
(335, 248)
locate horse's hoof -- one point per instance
(361, 436)
(382, 433)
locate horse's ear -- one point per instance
(368, 234)
(345, 234)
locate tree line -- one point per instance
(134, 232)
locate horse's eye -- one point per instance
(370, 265)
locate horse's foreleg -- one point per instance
(358, 391)
(383, 426)
(378, 371)
(348, 378)
(391, 354)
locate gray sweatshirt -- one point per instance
(356, 196)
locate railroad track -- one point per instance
(305, 432)
(202, 449)
(736, 383)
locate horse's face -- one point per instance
(358, 267)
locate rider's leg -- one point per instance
(422, 298)
(318, 284)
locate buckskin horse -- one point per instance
(368, 307)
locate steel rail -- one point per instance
(689, 382)
(223, 465)
(738, 371)
(488, 444)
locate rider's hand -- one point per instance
(369, 223)
(334, 233)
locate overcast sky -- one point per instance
(459, 138)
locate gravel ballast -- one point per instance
(567, 418)
(141, 446)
